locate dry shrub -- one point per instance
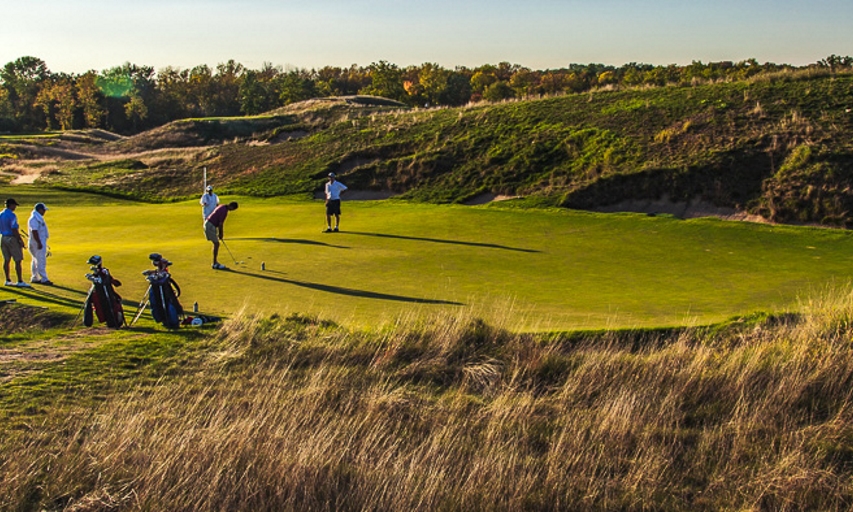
(453, 414)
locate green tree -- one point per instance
(458, 91)
(433, 81)
(136, 111)
(253, 94)
(386, 80)
(296, 86)
(89, 98)
(524, 82)
(498, 91)
(482, 79)
(22, 79)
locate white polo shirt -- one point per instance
(334, 189)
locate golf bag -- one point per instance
(102, 301)
(163, 293)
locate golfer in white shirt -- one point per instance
(38, 244)
(334, 189)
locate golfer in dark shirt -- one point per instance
(214, 229)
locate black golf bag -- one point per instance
(163, 294)
(102, 301)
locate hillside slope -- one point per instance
(777, 146)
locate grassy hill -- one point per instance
(778, 146)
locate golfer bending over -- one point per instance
(334, 189)
(213, 229)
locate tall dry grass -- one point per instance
(454, 414)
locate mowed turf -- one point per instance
(523, 269)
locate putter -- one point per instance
(232, 255)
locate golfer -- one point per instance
(214, 230)
(11, 243)
(334, 189)
(209, 201)
(38, 245)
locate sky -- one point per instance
(74, 36)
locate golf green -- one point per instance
(519, 268)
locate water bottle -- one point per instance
(195, 307)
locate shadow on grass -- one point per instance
(44, 295)
(348, 291)
(440, 241)
(300, 241)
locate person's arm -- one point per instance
(16, 232)
(221, 230)
(35, 236)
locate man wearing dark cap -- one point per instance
(11, 243)
(38, 245)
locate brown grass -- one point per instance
(453, 414)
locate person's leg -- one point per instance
(328, 221)
(215, 253)
(6, 262)
(337, 220)
(19, 270)
(34, 265)
(40, 264)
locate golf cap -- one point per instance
(94, 260)
(41, 206)
(210, 188)
(332, 175)
(11, 201)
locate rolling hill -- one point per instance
(777, 146)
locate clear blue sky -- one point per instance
(77, 35)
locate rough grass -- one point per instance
(455, 414)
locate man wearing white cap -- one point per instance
(209, 201)
(38, 245)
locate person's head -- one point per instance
(41, 208)
(11, 204)
(95, 261)
(209, 189)
(232, 205)
(332, 176)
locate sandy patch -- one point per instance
(692, 209)
(488, 198)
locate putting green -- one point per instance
(523, 269)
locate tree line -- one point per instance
(130, 98)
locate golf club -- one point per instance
(142, 305)
(232, 255)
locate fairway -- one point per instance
(531, 270)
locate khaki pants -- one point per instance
(11, 249)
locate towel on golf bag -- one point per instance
(163, 298)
